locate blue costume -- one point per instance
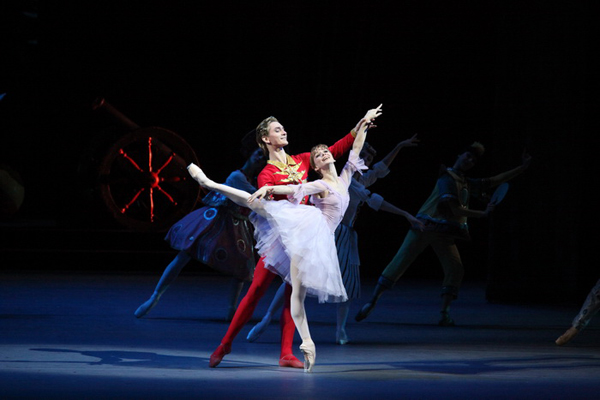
(219, 234)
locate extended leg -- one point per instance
(168, 276)
(275, 305)
(238, 196)
(413, 245)
(260, 283)
(590, 307)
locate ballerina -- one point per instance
(297, 240)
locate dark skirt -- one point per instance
(218, 235)
(346, 242)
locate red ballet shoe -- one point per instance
(289, 360)
(217, 356)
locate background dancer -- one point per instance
(445, 215)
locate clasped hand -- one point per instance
(261, 193)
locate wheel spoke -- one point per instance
(151, 205)
(165, 164)
(135, 197)
(126, 156)
(167, 195)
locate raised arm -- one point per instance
(361, 129)
(369, 116)
(341, 147)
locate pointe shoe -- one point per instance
(198, 175)
(258, 329)
(290, 361)
(219, 353)
(341, 337)
(365, 311)
(147, 306)
(445, 320)
(567, 336)
(310, 354)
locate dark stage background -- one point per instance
(513, 75)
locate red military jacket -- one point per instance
(295, 170)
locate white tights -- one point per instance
(297, 305)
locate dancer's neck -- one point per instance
(277, 154)
(330, 175)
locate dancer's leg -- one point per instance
(413, 245)
(449, 257)
(260, 283)
(234, 294)
(275, 305)
(341, 337)
(288, 329)
(168, 276)
(300, 320)
(238, 196)
(590, 307)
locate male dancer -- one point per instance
(445, 216)
(281, 169)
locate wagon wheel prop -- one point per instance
(144, 181)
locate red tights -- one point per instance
(260, 283)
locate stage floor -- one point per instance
(74, 336)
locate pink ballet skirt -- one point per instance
(305, 234)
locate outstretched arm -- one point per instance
(510, 174)
(493, 181)
(297, 191)
(388, 207)
(412, 142)
(266, 191)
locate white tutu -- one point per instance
(300, 232)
